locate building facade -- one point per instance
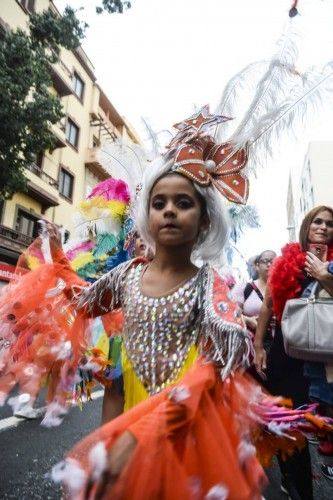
(312, 187)
(60, 178)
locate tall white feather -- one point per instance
(230, 103)
(152, 137)
(314, 89)
(273, 86)
(124, 161)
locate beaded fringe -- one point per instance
(89, 298)
(226, 344)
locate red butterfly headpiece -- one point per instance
(197, 156)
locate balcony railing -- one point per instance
(11, 234)
(43, 175)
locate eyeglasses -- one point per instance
(319, 222)
(266, 261)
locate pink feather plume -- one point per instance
(111, 189)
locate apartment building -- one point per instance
(311, 186)
(60, 178)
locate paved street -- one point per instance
(323, 488)
(28, 451)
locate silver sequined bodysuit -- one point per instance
(158, 332)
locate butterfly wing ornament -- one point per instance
(227, 176)
(197, 156)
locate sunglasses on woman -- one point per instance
(319, 222)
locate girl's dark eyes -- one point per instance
(185, 203)
(158, 204)
(182, 203)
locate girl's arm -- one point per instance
(82, 293)
(97, 299)
(265, 316)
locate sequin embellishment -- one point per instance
(158, 332)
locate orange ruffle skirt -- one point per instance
(193, 442)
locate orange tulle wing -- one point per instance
(113, 322)
(202, 438)
(188, 442)
(42, 336)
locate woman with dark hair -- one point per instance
(292, 275)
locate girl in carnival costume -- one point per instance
(201, 431)
(192, 435)
(280, 98)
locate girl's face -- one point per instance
(175, 214)
(321, 228)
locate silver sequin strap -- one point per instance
(225, 343)
(93, 296)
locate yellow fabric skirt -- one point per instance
(133, 388)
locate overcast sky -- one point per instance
(163, 57)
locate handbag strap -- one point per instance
(258, 292)
(315, 290)
(250, 286)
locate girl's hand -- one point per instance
(315, 267)
(121, 452)
(260, 360)
(54, 235)
(251, 322)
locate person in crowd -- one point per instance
(250, 295)
(320, 269)
(290, 276)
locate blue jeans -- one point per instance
(320, 389)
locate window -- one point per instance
(66, 184)
(72, 133)
(28, 5)
(39, 160)
(27, 223)
(78, 86)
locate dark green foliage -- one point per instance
(48, 30)
(113, 6)
(27, 108)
